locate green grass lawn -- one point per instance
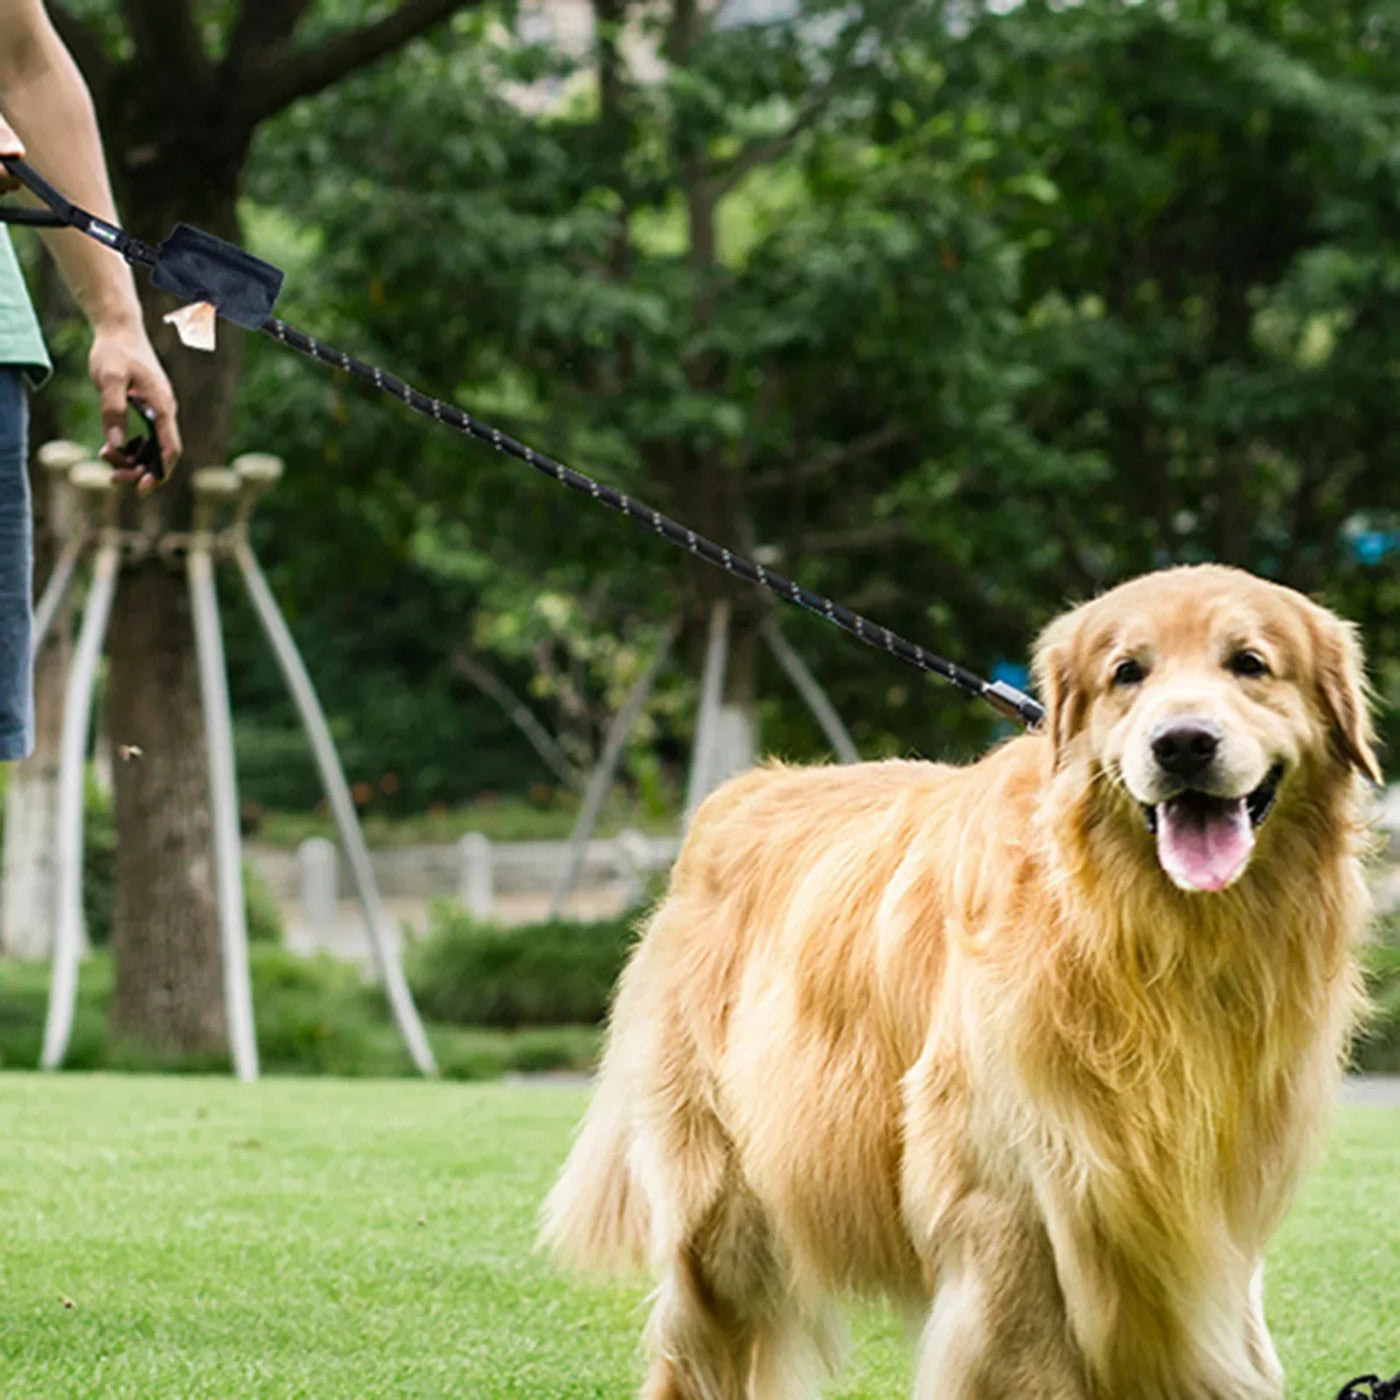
(173, 1238)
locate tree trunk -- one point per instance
(165, 935)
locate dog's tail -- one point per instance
(597, 1216)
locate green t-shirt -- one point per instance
(20, 341)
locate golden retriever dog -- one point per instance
(1038, 1046)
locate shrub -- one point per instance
(1377, 1048)
(24, 992)
(314, 1016)
(317, 1016)
(99, 863)
(474, 974)
(477, 1053)
(264, 913)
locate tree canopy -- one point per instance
(954, 311)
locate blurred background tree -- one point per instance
(954, 311)
(181, 91)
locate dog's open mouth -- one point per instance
(1204, 842)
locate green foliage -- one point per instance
(314, 1016)
(469, 973)
(1059, 295)
(99, 863)
(1378, 1047)
(475, 1052)
(264, 914)
(24, 991)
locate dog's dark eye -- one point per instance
(1128, 672)
(1247, 663)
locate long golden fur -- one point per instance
(955, 1036)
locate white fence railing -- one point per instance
(474, 870)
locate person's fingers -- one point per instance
(10, 145)
(122, 469)
(153, 389)
(113, 385)
(144, 479)
(168, 429)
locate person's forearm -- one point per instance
(43, 95)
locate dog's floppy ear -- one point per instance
(1058, 680)
(1341, 686)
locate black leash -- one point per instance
(1371, 1388)
(196, 266)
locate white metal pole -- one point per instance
(93, 478)
(702, 759)
(212, 487)
(258, 475)
(382, 940)
(55, 590)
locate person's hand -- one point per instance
(10, 145)
(123, 365)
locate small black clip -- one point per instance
(144, 450)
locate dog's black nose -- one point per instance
(1185, 749)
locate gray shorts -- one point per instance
(16, 572)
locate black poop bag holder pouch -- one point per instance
(197, 267)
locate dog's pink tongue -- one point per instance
(1203, 846)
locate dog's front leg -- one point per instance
(997, 1326)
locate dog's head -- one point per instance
(1206, 695)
